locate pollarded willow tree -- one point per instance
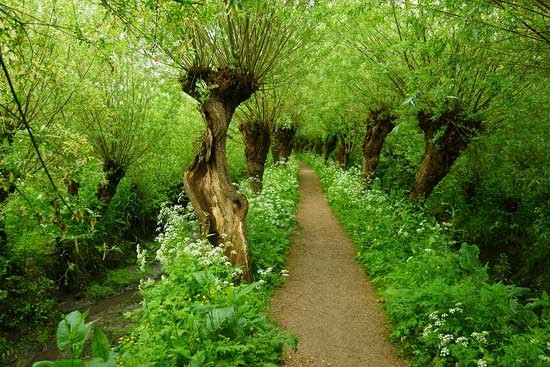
(380, 122)
(452, 86)
(224, 51)
(117, 128)
(257, 118)
(381, 85)
(231, 58)
(283, 140)
(446, 83)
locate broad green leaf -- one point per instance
(79, 337)
(63, 335)
(98, 362)
(219, 318)
(100, 345)
(204, 278)
(74, 319)
(468, 257)
(243, 291)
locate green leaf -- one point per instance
(198, 360)
(63, 335)
(468, 257)
(244, 290)
(42, 364)
(205, 279)
(72, 332)
(219, 318)
(74, 319)
(100, 345)
(79, 336)
(98, 362)
(62, 363)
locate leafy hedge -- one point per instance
(444, 309)
(196, 315)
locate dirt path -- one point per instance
(327, 299)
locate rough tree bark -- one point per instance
(444, 139)
(72, 187)
(257, 140)
(379, 125)
(107, 189)
(219, 207)
(330, 146)
(343, 151)
(282, 144)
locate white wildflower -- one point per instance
(141, 257)
(480, 337)
(445, 339)
(462, 341)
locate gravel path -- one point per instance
(327, 300)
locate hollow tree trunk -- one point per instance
(107, 189)
(330, 146)
(257, 140)
(380, 124)
(282, 144)
(444, 140)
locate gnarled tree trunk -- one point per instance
(330, 146)
(282, 144)
(219, 207)
(106, 190)
(379, 125)
(257, 140)
(444, 139)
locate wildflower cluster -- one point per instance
(199, 313)
(271, 221)
(445, 332)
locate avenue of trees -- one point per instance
(109, 108)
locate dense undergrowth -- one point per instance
(444, 309)
(198, 314)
